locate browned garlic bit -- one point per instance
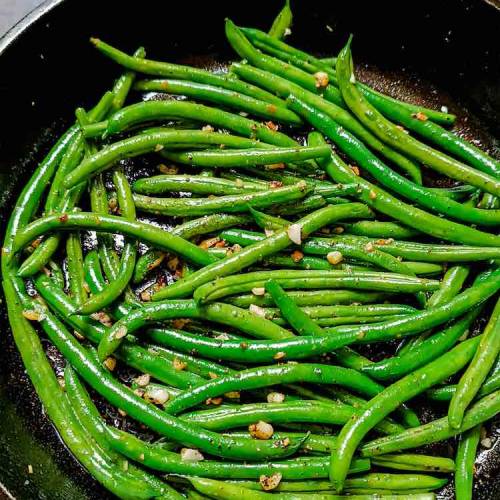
(143, 380)
(334, 257)
(179, 365)
(191, 455)
(261, 430)
(275, 397)
(110, 363)
(271, 482)
(321, 79)
(156, 395)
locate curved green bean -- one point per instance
(381, 405)
(224, 97)
(466, 456)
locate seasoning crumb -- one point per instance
(275, 397)
(279, 355)
(258, 290)
(334, 257)
(191, 455)
(179, 365)
(261, 430)
(420, 116)
(321, 78)
(257, 310)
(30, 469)
(271, 482)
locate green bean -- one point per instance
(377, 229)
(137, 114)
(378, 482)
(74, 263)
(90, 419)
(397, 138)
(221, 96)
(294, 315)
(123, 85)
(311, 279)
(426, 351)
(109, 223)
(229, 203)
(255, 35)
(466, 455)
(405, 249)
(115, 288)
(228, 491)
(475, 374)
(246, 157)
(332, 413)
(437, 430)
(271, 375)
(282, 23)
(284, 87)
(198, 184)
(278, 241)
(304, 263)
(315, 442)
(311, 298)
(414, 462)
(168, 70)
(171, 427)
(385, 203)
(413, 384)
(157, 140)
(158, 458)
(491, 384)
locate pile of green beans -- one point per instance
(244, 283)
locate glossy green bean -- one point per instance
(253, 253)
(475, 374)
(386, 203)
(271, 375)
(221, 96)
(428, 350)
(311, 298)
(109, 223)
(413, 384)
(158, 458)
(194, 227)
(230, 158)
(74, 266)
(379, 482)
(316, 412)
(229, 203)
(466, 456)
(282, 22)
(403, 142)
(437, 430)
(228, 491)
(198, 184)
(168, 70)
(378, 229)
(424, 252)
(311, 279)
(414, 462)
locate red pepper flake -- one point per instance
(272, 126)
(297, 256)
(272, 108)
(275, 184)
(63, 218)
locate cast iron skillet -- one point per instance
(446, 51)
